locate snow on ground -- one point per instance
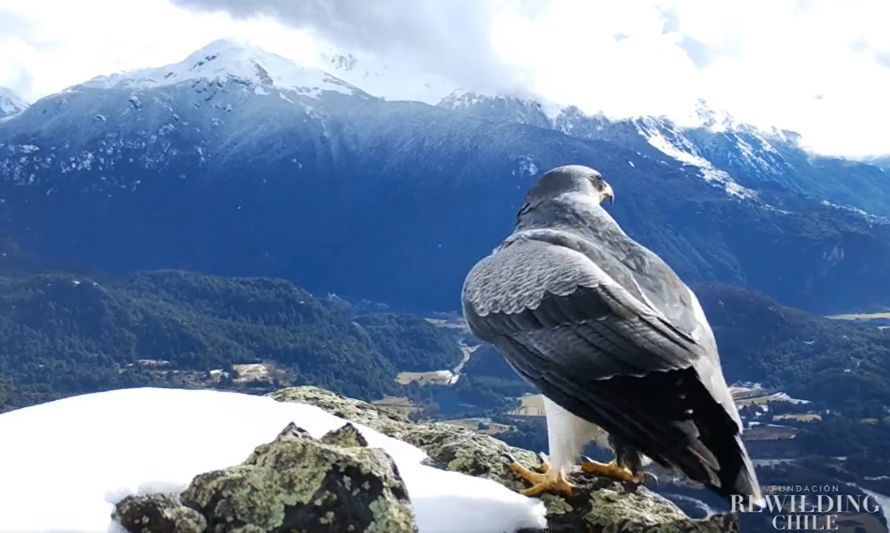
(64, 464)
(856, 211)
(783, 396)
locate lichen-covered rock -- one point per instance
(158, 513)
(449, 447)
(614, 510)
(296, 483)
(598, 505)
(347, 436)
(378, 418)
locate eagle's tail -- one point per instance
(714, 453)
(745, 482)
(734, 475)
(672, 418)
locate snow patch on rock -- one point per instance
(84, 454)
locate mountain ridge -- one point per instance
(218, 176)
(228, 59)
(738, 157)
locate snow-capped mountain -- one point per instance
(500, 107)
(10, 103)
(661, 138)
(655, 137)
(237, 161)
(742, 160)
(158, 117)
(225, 60)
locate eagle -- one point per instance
(612, 338)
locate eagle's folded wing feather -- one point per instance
(532, 286)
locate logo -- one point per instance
(807, 507)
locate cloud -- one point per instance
(697, 51)
(449, 37)
(820, 67)
(817, 66)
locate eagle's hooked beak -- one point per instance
(607, 194)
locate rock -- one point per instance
(294, 483)
(599, 505)
(379, 418)
(158, 513)
(449, 447)
(345, 436)
(611, 510)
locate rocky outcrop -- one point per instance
(158, 513)
(337, 483)
(294, 483)
(597, 505)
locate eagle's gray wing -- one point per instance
(597, 348)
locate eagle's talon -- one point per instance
(547, 480)
(611, 470)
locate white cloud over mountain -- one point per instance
(819, 67)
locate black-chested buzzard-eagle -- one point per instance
(612, 338)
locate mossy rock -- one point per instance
(294, 483)
(597, 505)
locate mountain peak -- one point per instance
(11, 103)
(225, 45)
(226, 59)
(714, 119)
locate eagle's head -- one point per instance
(571, 179)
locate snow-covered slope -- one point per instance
(224, 60)
(72, 459)
(738, 158)
(662, 135)
(10, 103)
(501, 107)
(746, 162)
(377, 76)
(670, 141)
(660, 138)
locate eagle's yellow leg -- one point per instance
(547, 480)
(610, 470)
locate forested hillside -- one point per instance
(63, 334)
(845, 364)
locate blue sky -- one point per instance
(820, 67)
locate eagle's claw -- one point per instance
(547, 480)
(615, 471)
